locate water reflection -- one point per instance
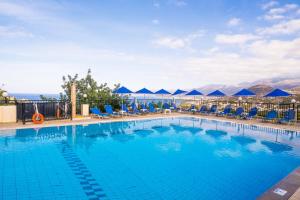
(180, 128)
(243, 140)
(143, 132)
(216, 133)
(122, 137)
(276, 147)
(161, 129)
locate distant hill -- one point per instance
(260, 90)
(285, 83)
(295, 90)
(260, 87)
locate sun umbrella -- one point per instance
(216, 93)
(278, 93)
(177, 92)
(144, 91)
(194, 93)
(244, 93)
(162, 92)
(122, 91)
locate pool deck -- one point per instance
(257, 122)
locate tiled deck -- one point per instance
(258, 122)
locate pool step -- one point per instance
(287, 189)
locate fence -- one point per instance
(50, 109)
(298, 113)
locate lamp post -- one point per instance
(240, 99)
(5, 95)
(294, 102)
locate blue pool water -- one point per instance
(171, 158)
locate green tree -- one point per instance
(89, 91)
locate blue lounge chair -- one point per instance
(252, 113)
(289, 116)
(135, 110)
(124, 110)
(173, 107)
(203, 109)
(166, 108)
(192, 108)
(271, 116)
(110, 112)
(226, 111)
(152, 108)
(238, 113)
(144, 108)
(213, 109)
(97, 113)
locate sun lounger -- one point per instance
(203, 109)
(252, 113)
(226, 111)
(152, 108)
(271, 116)
(166, 108)
(95, 112)
(124, 110)
(213, 109)
(144, 109)
(238, 113)
(110, 112)
(134, 109)
(289, 117)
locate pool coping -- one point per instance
(286, 189)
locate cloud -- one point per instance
(13, 32)
(260, 59)
(283, 28)
(156, 4)
(178, 3)
(178, 42)
(276, 49)
(234, 22)
(269, 5)
(273, 17)
(235, 38)
(155, 21)
(280, 12)
(15, 10)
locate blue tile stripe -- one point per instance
(89, 184)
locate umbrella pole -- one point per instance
(161, 105)
(122, 105)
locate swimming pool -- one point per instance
(167, 158)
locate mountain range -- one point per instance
(260, 87)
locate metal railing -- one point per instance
(51, 109)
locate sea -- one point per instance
(29, 96)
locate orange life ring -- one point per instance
(38, 118)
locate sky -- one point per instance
(151, 43)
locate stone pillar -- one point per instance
(73, 100)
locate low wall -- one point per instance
(8, 113)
